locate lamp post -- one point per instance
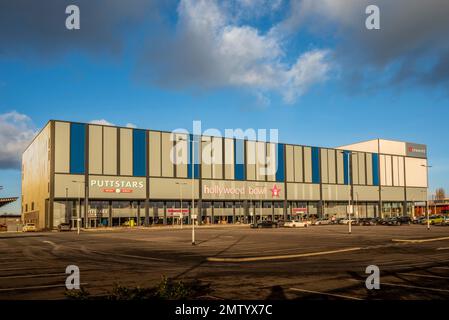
(350, 154)
(193, 215)
(427, 196)
(180, 192)
(78, 220)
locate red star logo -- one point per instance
(275, 191)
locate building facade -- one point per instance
(112, 176)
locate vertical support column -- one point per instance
(50, 207)
(213, 216)
(233, 212)
(110, 214)
(165, 213)
(86, 177)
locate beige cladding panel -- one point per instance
(62, 147)
(163, 188)
(392, 147)
(95, 149)
(229, 158)
(271, 162)
(217, 158)
(289, 159)
(388, 171)
(366, 193)
(362, 168)
(126, 152)
(167, 149)
(416, 194)
(206, 158)
(332, 166)
(392, 193)
(110, 150)
(303, 191)
(369, 169)
(250, 160)
(155, 153)
(396, 171)
(181, 152)
(355, 168)
(260, 161)
(73, 183)
(307, 164)
(324, 167)
(401, 162)
(298, 164)
(340, 168)
(416, 172)
(335, 192)
(110, 187)
(235, 190)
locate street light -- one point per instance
(351, 153)
(427, 196)
(78, 216)
(193, 215)
(180, 191)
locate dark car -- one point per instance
(397, 221)
(64, 227)
(367, 222)
(265, 224)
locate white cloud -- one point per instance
(212, 50)
(102, 122)
(16, 132)
(130, 125)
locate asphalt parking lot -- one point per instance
(319, 262)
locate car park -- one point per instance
(29, 227)
(264, 224)
(296, 223)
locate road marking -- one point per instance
(405, 286)
(50, 242)
(32, 275)
(127, 256)
(420, 240)
(326, 294)
(423, 275)
(38, 287)
(280, 257)
(443, 248)
(445, 268)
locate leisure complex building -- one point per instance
(113, 176)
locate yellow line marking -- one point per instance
(420, 240)
(326, 294)
(423, 275)
(280, 257)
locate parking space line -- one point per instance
(38, 287)
(443, 248)
(280, 257)
(423, 275)
(405, 286)
(444, 268)
(420, 240)
(326, 294)
(32, 275)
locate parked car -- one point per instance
(434, 219)
(64, 227)
(296, 223)
(322, 222)
(3, 227)
(264, 224)
(445, 221)
(29, 227)
(366, 222)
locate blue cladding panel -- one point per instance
(193, 158)
(345, 166)
(280, 170)
(315, 165)
(77, 148)
(375, 169)
(239, 159)
(139, 153)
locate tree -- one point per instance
(440, 194)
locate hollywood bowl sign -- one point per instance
(243, 191)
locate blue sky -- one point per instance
(253, 64)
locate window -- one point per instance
(139, 153)
(77, 148)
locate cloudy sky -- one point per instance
(309, 68)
